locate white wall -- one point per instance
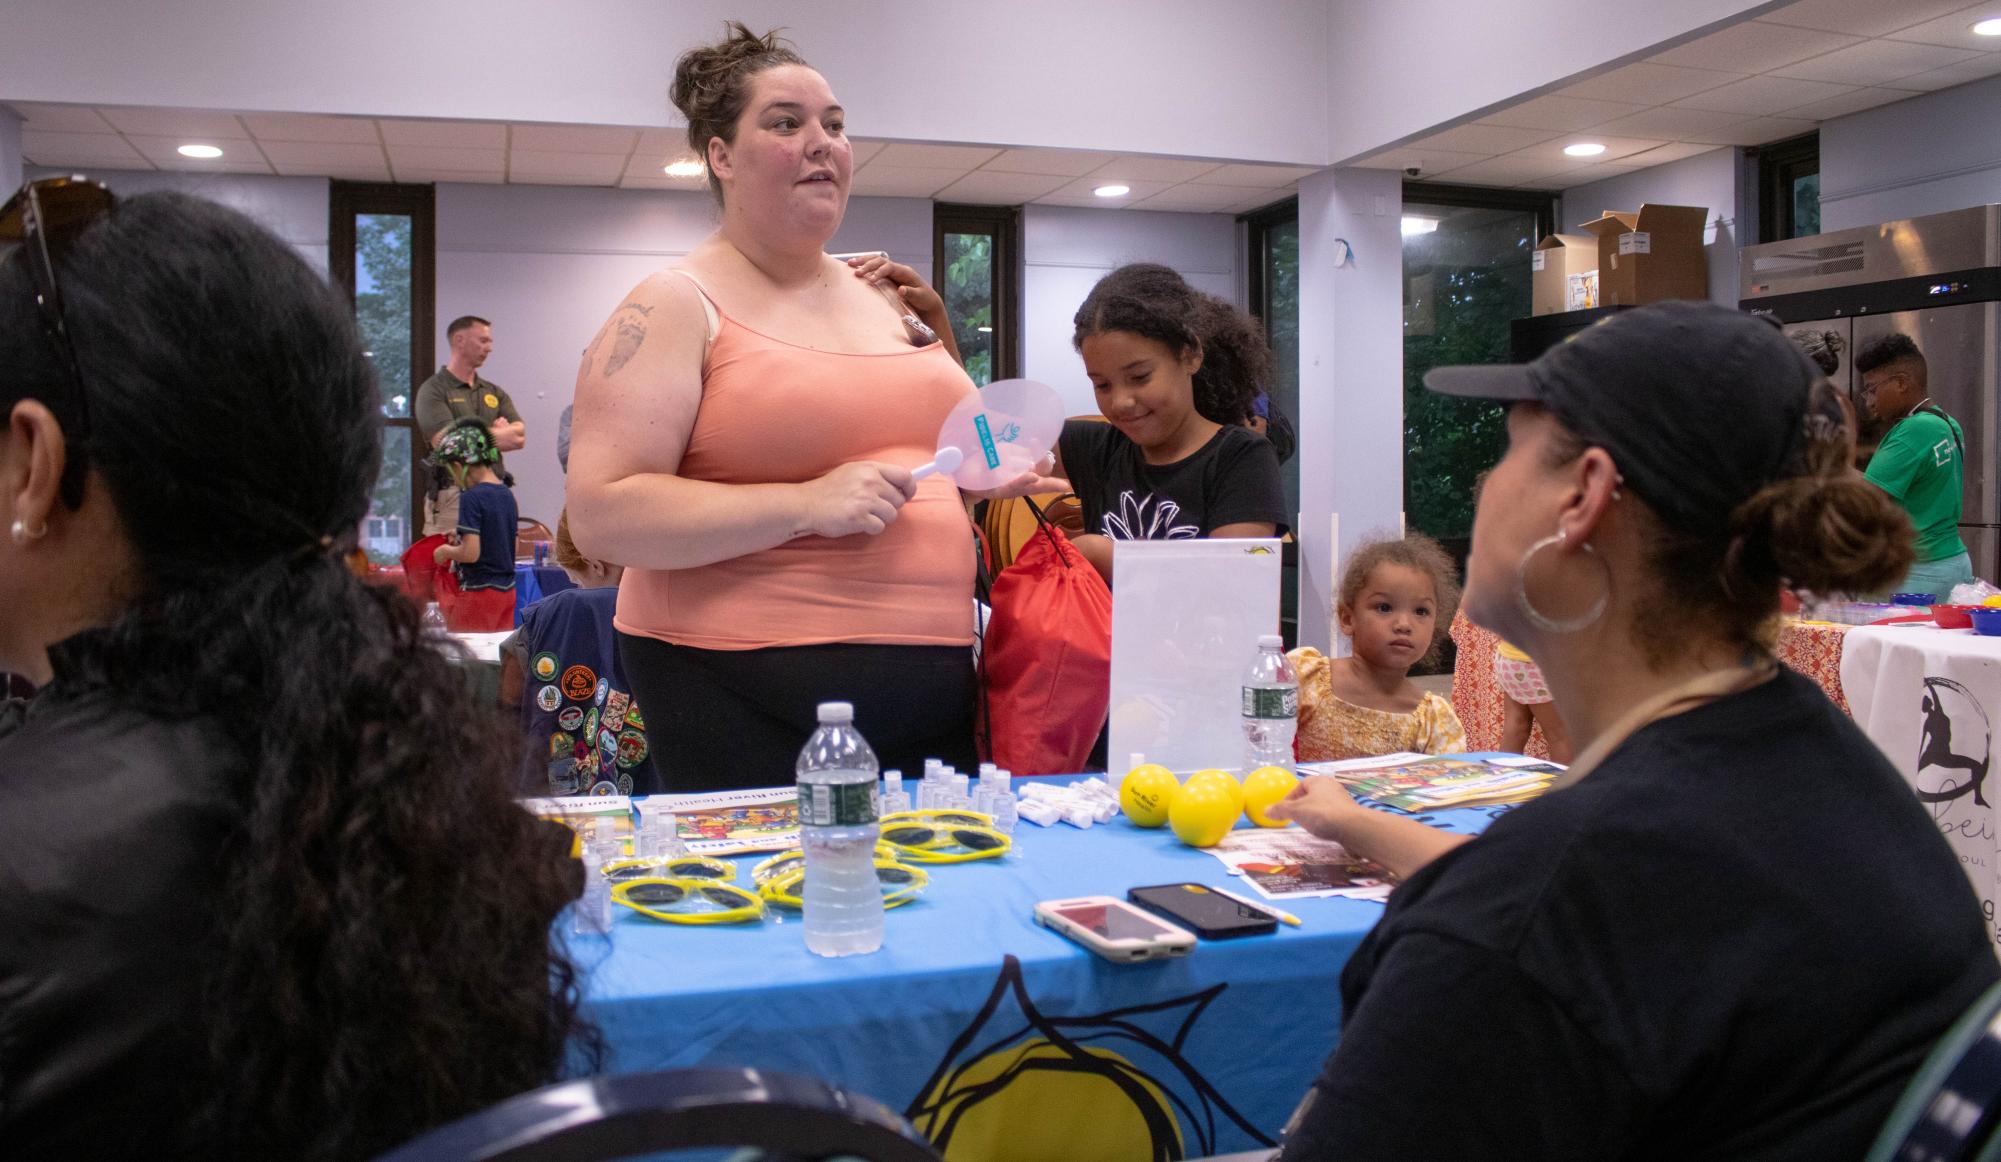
(1188, 77)
(1707, 179)
(1066, 251)
(547, 264)
(1398, 70)
(294, 209)
(1350, 376)
(1941, 151)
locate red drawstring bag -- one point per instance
(1046, 659)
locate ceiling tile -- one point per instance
(60, 118)
(1954, 30)
(378, 172)
(517, 178)
(1425, 161)
(1860, 17)
(302, 127)
(1562, 113)
(1270, 177)
(573, 138)
(1753, 47)
(1084, 187)
(446, 134)
(1647, 84)
(1761, 95)
(468, 177)
(1500, 171)
(1754, 131)
(991, 187)
(1874, 62)
(1202, 199)
(1848, 103)
(444, 157)
(1615, 148)
(1488, 139)
(588, 168)
(1057, 162)
(1950, 75)
(865, 150)
(1586, 175)
(1153, 169)
(240, 156)
(1082, 203)
(78, 149)
(660, 181)
(1262, 199)
(888, 181)
(300, 157)
(1672, 151)
(675, 141)
(237, 156)
(906, 156)
(1670, 123)
(186, 124)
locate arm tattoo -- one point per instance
(629, 331)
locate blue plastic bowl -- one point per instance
(1911, 599)
(1986, 621)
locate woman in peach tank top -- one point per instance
(744, 434)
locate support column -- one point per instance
(10, 152)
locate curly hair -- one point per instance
(1413, 551)
(1895, 347)
(382, 955)
(712, 84)
(1823, 347)
(1155, 302)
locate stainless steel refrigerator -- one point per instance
(1936, 279)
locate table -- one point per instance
(1813, 648)
(1929, 697)
(482, 674)
(1000, 1039)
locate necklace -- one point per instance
(1687, 696)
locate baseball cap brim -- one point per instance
(1504, 382)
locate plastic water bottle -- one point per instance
(434, 622)
(837, 828)
(1271, 706)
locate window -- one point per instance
(1789, 189)
(381, 252)
(977, 269)
(1273, 234)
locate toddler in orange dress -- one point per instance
(1396, 599)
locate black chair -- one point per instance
(1951, 1108)
(789, 1118)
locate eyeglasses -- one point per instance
(44, 218)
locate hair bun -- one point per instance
(1829, 535)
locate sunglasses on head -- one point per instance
(44, 218)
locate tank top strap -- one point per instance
(710, 311)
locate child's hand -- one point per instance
(1319, 804)
(905, 281)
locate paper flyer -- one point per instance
(733, 822)
(1290, 864)
(1419, 783)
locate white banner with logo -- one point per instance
(1931, 699)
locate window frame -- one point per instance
(345, 202)
(1780, 164)
(1003, 225)
(1542, 203)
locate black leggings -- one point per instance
(727, 719)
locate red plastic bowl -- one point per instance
(1953, 616)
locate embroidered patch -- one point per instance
(633, 719)
(603, 688)
(631, 749)
(544, 667)
(579, 683)
(562, 745)
(548, 698)
(492, 400)
(604, 790)
(571, 718)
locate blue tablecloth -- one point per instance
(999, 1034)
(534, 582)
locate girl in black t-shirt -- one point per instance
(1176, 372)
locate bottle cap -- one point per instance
(837, 712)
(1271, 641)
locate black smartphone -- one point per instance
(1203, 911)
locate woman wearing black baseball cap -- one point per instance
(1732, 931)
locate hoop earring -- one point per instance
(23, 534)
(1542, 620)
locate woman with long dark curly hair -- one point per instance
(263, 891)
(1177, 374)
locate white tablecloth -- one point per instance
(485, 647)
(1931, 698)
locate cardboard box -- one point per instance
(1558, 259)
(1651, 254)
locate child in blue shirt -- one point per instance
(482, 552)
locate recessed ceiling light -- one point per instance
(1113, 191)
(1418, 224)
(203, 151)
(1988, 27)
(684, 169)
(1583, 149)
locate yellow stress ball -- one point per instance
(1222, 780)
(1262, 788)
(1203, 812)
(1145, 793)
(1993, 601)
